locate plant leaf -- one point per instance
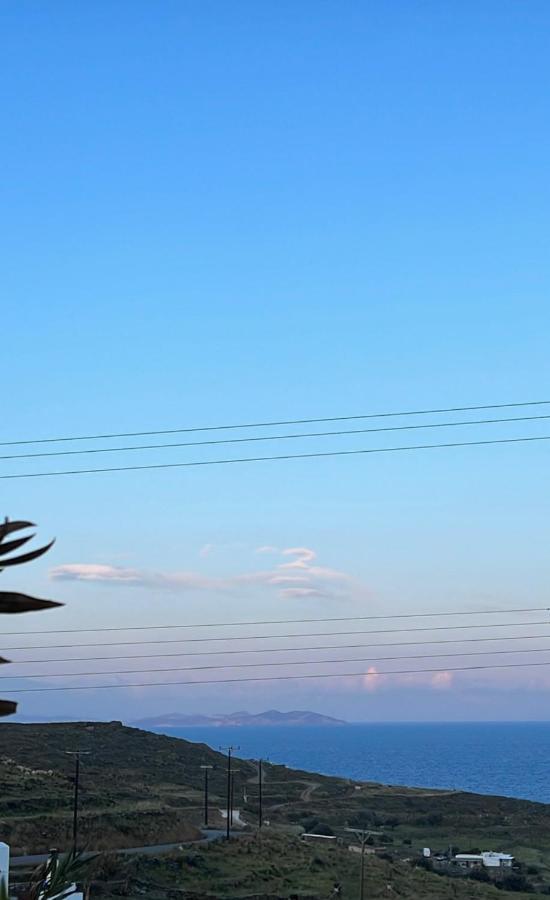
(27, 557)
(13, 545)
(55, 877)
(7, 527)
(11, 602)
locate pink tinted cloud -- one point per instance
(442, 680)
(371, 680)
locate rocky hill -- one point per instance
(240, 719)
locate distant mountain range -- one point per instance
(269, 718)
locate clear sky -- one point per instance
(222, 212)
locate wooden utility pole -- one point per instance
(77, 754)
(260, 794)
(362, 835)
(229, 750)
(206, 770)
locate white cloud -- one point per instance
(303, 592)
(206, 550)
(303, 557)
(299, 578)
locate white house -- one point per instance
(487, 860)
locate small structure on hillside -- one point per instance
(489, 860)
(328, 838)
(4, 863)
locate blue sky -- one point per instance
(220, 212)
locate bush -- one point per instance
(322, 828)
(515, 882)
(423, 862)
(431, 821)
(480, 875)
(361, 820)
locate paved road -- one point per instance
(150, 850)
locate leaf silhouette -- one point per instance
(7, 527)
(27, 557)
(6, 546)
(11, 602)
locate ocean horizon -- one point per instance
(506, 758)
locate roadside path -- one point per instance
(149, 850)
(312, 786)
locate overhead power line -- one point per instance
(270, 637)
(100, 687)
(269, 424)
(272, 437)
(263, 665)
(269, 650)
(254, 622)
(280, 457)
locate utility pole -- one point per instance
(229, 750)
(77, 754)
(362, 835)
(260, 797)
(206, 770)
(362, 879)
(261, 791)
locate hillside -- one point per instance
(142, 788)
(278, 867)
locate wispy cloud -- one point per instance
(296, 576)
(206, 550)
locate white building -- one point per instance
(4, 863)
(488, 860)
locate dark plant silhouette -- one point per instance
(10, 601)
(54, 878)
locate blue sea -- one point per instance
(510, 759)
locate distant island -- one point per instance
(240, 719)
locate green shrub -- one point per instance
(516, 882)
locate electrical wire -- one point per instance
(253, 623)
(265, 650)
(262, 665)
(308, 421)
(280, 457)
(272, 437)
(269, 637)
(99, 687)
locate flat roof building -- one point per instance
(488, 860)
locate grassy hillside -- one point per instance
(277, 866)
(142, 788)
